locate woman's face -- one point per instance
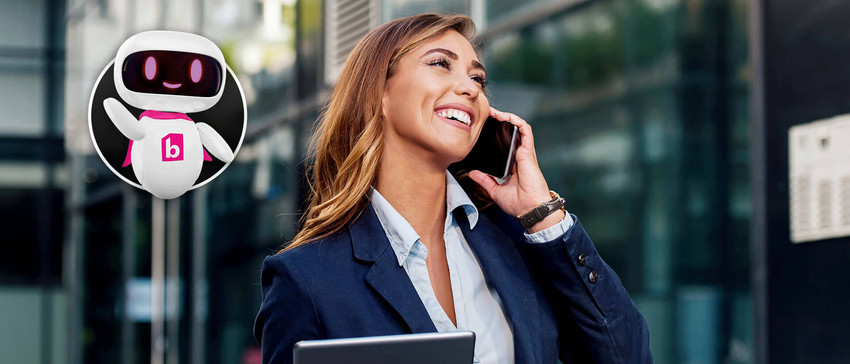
(434, 102)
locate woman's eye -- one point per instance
(481, 80)
(441, 62)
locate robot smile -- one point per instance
(171, 85)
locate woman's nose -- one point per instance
(466, 86)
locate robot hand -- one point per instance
(123, 119)
(214, 143)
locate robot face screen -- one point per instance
(172, 73)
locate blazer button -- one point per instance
(582, 259)
(593, 277)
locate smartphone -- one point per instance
(494, 151)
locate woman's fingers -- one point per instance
(526, 136)
(527, 186)
(484, 180)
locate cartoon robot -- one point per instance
(168, 74)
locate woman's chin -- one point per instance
(450, 149)
(455, 156)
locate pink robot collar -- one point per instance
(163, 115)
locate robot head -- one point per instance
(170, 71)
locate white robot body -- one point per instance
(168, 74)
(168, 161)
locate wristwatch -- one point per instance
(539, 213)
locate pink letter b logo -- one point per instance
(172, 147)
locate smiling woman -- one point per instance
(434, 104)
(392, 243)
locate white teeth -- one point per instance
(457, 114)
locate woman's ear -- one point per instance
(382, 107)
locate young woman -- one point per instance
(391, 243)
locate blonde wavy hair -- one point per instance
(348, 140)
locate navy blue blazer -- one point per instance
(350, 284)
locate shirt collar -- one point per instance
(457, 197)
(399, 232)
(401, 235)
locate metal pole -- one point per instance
(172, 308)
(199, 279)
(758, 175)
(74, 260)
(128, 237)
(157, 280)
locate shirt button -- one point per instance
(593, 277)
(582, 259)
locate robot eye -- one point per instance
(150, 68)
(196, 70)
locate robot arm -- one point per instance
(123, 120)
(214, 143)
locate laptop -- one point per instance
(445, 347)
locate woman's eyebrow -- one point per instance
(453, 55)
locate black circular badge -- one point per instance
(227, 117)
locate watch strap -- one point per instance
(540, 212)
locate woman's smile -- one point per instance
(457, 115)
(456, 123)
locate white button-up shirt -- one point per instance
(478, 307)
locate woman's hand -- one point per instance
(526, 188)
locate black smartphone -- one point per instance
(494, 151)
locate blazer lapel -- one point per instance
(504, 270)
(390, 281)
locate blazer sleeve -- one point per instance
(287, 314)
(597, 320)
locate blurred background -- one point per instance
(644, 117)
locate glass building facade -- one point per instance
(33, 182)
(640, 117)
(640, 113)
